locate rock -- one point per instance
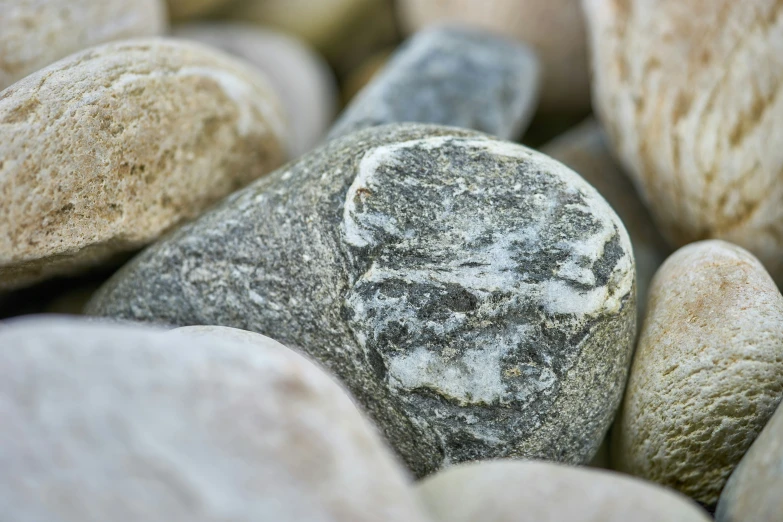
(687, 92)
(104, 151)
(121, 423)
(301, 78)
(184, 9)
(708, 370)
(358, 78)
(509, 491)
(477, 297)
(36, 33)
(752, 493)
(450, 76)
(602, 459)
(585, 150)
(553, 28)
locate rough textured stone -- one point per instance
(708, 370)
(105, 150)
(585, 150)
(507, 491)
(36, 33)
(450, 76)
(111, 422)
(184, 9)
(689, 93)
(752, 493)
(476, 296)
(306, 86)
(553, 28)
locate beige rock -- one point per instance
(522, 491)
(362, 75)
(302, 78)
(107, 149)
(116, 422)
(707, 373)
(554, 28)
(585, 150)
(184, 9)
(688, 92)
(36, 33)
(752, 494)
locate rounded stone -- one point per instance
(707, 373)
(185, 9)
(688, 92)
(302, 79)
(553, 28)
(36, 33)
(106, 150)
(116, 422)
(509, 491)
(476, 296)
(752, 493)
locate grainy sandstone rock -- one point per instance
(508, 491)
(184, 9)
(450, 76)
(36, 33)
(115, 422)
(105, 150)
(476, 296)
(752, 493)
(585, 150)
(306, 86)
(554, 28)
(688, 92)
(707, 373)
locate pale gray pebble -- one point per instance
(115, 422)
(477, 297)
(451, 76)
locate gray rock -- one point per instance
(451, 76)
(477, 297)
(115, 422)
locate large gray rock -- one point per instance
(476, 296)
(121, 423)
(451, 76)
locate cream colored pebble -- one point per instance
(690, 94)
(109, 148)
(707, 373)
(36, 33)
(554, 28)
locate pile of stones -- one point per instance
(231, 293)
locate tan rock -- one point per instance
(184, 9)
(688, 92)
(585, 149)
(522, 491)
(116, 422)
(36, 33)
(554, 28)
(302, 78)
(107, 149)
(362, 75)
(707, 373)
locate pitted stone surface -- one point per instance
(476, 296)
(451, 76)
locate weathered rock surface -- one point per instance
(553, 28)
(752, 493)
(36, 33)
(689, 94)
(509, 491)
(585, 149)
(116, 422)
(451, 76)
(476, 296)
(102, 152)
(306, 86)
(707, 373)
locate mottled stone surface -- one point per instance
(752, 493)
(116, 422)
(451, 76)
(708, 370)
(506, 491)
(477, 297)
